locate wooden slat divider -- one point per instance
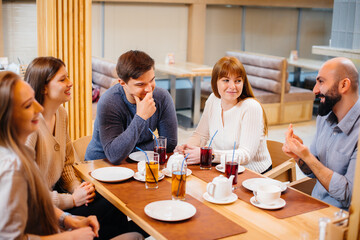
(64, 30)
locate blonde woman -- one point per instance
(26, 209)
(233, 111)
(54, 151)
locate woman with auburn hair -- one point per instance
(55, 155)
(233, 111)
(26, 209)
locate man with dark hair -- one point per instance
(332, 155)
(127, 110)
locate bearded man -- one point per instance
(331, 158)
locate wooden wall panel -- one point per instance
(262, 3)
(196, 33)
(223, 32)
(64, 31)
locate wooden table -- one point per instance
(259, 224)
(190, 70)
(303, 63)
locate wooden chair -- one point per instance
(304, 185)
(80, 146)
(283, 166)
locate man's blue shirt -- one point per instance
(335, 145)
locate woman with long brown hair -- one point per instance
(55, 155)
(233, 112)
(26, 208)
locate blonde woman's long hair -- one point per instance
(40, 205)
(231, 65)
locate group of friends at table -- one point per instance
(42, 196)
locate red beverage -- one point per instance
(162, 154)
(231, 168)
(205, 157)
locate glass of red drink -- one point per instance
(205, 157)
(231, 167)
(160, 148)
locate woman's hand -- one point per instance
(84, 194)
(180, 149)
(194, 154)
(79, 222)
(79, 234)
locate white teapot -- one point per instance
(220, 188)
(176, 157)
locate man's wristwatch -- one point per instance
(62, 219)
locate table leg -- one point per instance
(195, 111)
(173, 88)
(184, 121)
(297, 73)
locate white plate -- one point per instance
(141, 178)
(252, 183)
(222, 169)
(139, 156)
(279, 204)
(168, 173)
(112, 174)
(233, 197)
(170, 210)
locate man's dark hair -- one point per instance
(133, 64)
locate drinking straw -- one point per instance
(148, 162)
(157, 144)
(232, 161)
(212, 138)
(233, 151)
(182, 165)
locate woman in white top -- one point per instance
(233, 111)
(26, 209)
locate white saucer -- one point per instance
(140, 156)
(252, 183)
(141, 178)
(279, 204)
(222, 169)
(168, 173)
(233, 197)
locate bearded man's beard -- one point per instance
(331, 98)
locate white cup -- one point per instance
(267, 194)
(141, 167)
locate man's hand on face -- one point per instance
(145, 108)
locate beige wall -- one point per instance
(223, 32)
(315, 30)
(96, 29)
(163, 28)
(271, 31)
(153, 28)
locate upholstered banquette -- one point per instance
(268, 76)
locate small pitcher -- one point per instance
(220, 188)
